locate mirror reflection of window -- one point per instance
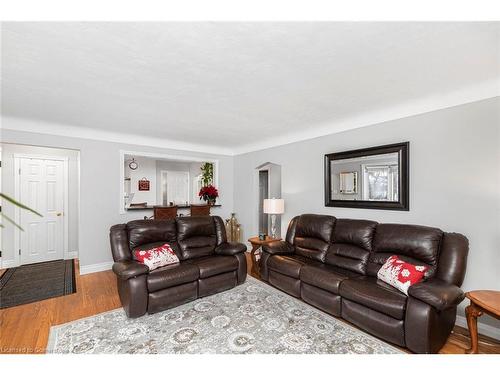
(380, 183)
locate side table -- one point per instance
(256, 245)
(481, 301)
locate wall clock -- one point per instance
(133, 164)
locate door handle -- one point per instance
(59, 214)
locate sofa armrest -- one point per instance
(278, 247)
(126, 269)
(437, 293)
(230, 248)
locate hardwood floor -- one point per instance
(25, 328)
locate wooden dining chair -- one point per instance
(200, 210)
(164, 212)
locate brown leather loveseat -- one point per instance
(208, 263)
(332, 264)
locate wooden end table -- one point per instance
(481, 301)
(256, 245)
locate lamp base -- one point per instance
(273, 226)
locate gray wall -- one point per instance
(454, 179)
(100, 183)
(8, 151)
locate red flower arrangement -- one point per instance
(209, 194)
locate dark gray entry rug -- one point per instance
(36, 282)
(251, 318)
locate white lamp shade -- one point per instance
(274, 206)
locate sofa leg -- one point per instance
(134, 296)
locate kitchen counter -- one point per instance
(180, 207)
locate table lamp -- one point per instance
(274, 207)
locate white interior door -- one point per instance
(41, 187)
(177, 186)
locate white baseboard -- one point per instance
(484, 329)
(9, 263)
(98, 267)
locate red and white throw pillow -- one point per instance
(400, 274)
(156, 257)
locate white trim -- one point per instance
(1, 203)
(79, 218)
(97, 267)
(8, 263)
(484, 329)
(66, 207)
(263, 167)
(63, 130)
(170, 157)
(17, 211)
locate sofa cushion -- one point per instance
(352, 243)
(214, 265)
(348, 256)
(288, 265)
(311, 248)
(142, 232)
(415, 244)
(375, 294)
(324, 276)
(196, 236)
(313, 234)
(355, 232)
(172, 275)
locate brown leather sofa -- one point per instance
(208, 263)
(333, 263)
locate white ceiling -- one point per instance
(241, 86)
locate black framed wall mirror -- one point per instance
(375, 177)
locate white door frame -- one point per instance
(17, 188)
(2, 203)
(267, 168)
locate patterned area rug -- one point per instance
(251, 318)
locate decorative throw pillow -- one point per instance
(400, 274)
(156, 257)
